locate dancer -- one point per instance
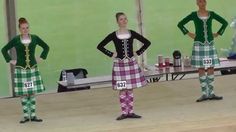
(204, 54)
(27, 78)
(126, 74)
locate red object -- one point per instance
(161, 65)
(167, 62)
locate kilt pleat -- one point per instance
(27, 75)
(127, 70)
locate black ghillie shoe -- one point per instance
(214, 97)
(121, 117)
(24, 120)
(202, 98)
(35, 119)
(133, 115)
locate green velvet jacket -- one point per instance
(25, 53)
(203, 28)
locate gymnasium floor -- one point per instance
(165, 107)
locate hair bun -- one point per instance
(22, 20)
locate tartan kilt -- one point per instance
(127, 70)
(27, 75)
(201, 51)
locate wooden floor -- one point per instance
(165, 107)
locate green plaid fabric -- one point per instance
(28, 104)
(27, 75)
(25, 105)
(203, 83)
(210, 81)
(204, 50)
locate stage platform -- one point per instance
(165, 106)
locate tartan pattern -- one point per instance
(32, 107)
(129, 71)
(28, 105)
(204, 50)
(203, 83)
(123, 104)
(23, 75)
(210, 80)
(127, 101)
(130, 101)
(25, 105)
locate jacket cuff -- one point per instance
(220, 32)
(43, 57)
(139, 52)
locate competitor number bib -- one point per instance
(28, 85)
(121, 85)
(207, 61)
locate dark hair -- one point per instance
(22, 20)
(118, 14)
(197, 0)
